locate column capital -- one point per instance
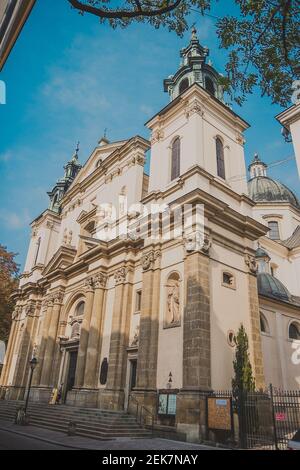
(30, 308)
(58, 297)
(100, 280)
(149, 259)
(197, 242)
(16, 313)
(89, 284)
(120, 275)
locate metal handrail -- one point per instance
(139, 412)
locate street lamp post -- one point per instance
(33, 364)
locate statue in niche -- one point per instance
(136, 337)
(172, 317)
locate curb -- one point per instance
(50, 441)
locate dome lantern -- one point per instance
(194, 69)
(263, 260)
(257, 167)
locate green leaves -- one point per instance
(262, 39)
(8, 283)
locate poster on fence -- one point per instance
(219, 413)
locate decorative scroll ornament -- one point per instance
(157, 136)
(193, 108)
(149, 259)
(100, 280)
(120, 275)
(197, 241)
(252, 264)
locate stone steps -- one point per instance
(91, 423)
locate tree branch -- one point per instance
(285, 12)
(119, 14)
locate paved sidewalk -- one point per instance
(82, 443)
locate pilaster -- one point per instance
(112, 397)
(51, 338)
(196, 343)
(146, 386)
(84, 334)
(255, 336)
(91, 375)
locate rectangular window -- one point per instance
(274, 230)
(138, 301)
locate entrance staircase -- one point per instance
(89, 422)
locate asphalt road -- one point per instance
(10, 441)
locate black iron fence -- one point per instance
(264, 419)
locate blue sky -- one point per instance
(68, 78)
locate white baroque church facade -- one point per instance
(111, 317)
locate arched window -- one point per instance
(184, 84)
(264, 326)
(175, 159)
(209, 85)
(79, 310)
(220, 158)
(274, 230)
(294, 331)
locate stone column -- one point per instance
(91, 375)
(26, 347)
(113, 396)
(51, 339)
(84, 333)
(146, 385)
(191, 404)
(36, 380)
(10, 348)
(255, 336)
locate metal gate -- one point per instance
(266, 419)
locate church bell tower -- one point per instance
(71, 170)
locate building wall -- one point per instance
(281, 354)
(13, 16)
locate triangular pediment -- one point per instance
(63, 258)
(98, 156)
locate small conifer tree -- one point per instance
(243, 380)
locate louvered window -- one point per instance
(220, 158)
(175, 164)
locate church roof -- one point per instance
(269, 286)
(265, 189)
(294, 240)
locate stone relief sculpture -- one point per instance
(68, 237)
(172, 314)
